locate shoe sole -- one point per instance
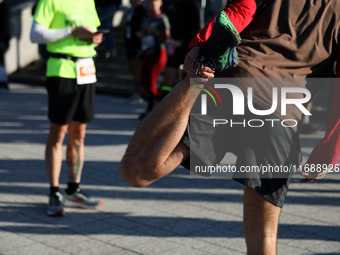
(79, 205)
(57, 213)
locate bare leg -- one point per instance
(260, 223)
(155, 149)
(75, 151)
(53, 152)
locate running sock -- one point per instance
(54, 190)
(71, 188)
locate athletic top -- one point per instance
(288, 39)
(63, 14)
(133, 24)
(151, 43)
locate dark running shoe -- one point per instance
(55, 205)
(80, 200)
(219, 51)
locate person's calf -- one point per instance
(260, 223)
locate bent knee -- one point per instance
(133, 173)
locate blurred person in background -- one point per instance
(155, 35)
(133, 45)
(5, 14)
(106, 10)
(67, 27)
(185, 24)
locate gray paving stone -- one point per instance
(66, 240)
(194, 243)
(94, 227)
(88, 245)
(185, 251)
(185, 227)
(216, 249)
(34, 249)
(13, 241)
(330, 233)
(327, 247)
(156, 247)
(124, 223)
(126, 242)
(284, 249)
(234, 243)
(307, 242)
(102, 250)
(110, 235)
(126, 252)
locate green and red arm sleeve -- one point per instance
(240, 13)
(328, 149)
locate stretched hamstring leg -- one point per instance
(155, 149)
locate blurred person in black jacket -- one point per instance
(134, 20)
(184, 16)
(106, 10)
(5, 35)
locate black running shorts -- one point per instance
(271, 145)
(68, 101)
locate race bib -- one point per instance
(148, 42)
(86, 73)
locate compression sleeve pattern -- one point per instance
(43, 35)
(240, 13)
